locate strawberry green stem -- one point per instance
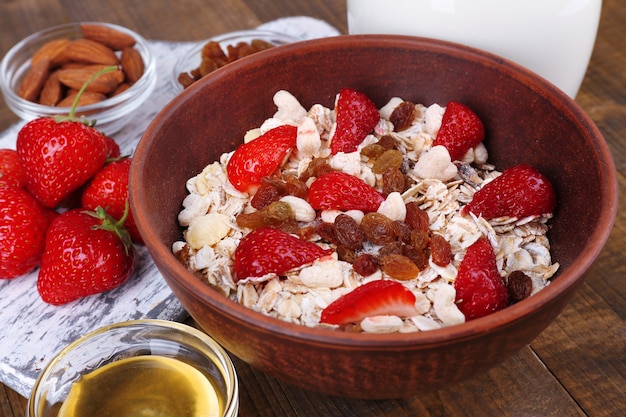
(71, 116)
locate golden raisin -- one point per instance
(390, 159)
(398, 267)
(378, 228)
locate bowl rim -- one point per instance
(145, 84)
(567, 281)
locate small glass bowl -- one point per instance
(110, 114)
(128, 339)
(193, 57)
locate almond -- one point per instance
(31, 85)
(132, 64)
(88, 97)
(88, 51)
(52, 91)
(52, 51)
(110, 37)
(77, 77)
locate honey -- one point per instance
(143, 386)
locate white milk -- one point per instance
(553, 38)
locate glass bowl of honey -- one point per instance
(138, 368)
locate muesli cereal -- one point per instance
(413, 176)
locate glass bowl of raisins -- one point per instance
(205, 57)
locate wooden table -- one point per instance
(576, 367)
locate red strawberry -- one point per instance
(59, 157)
(23, 225)
(86, 253)
(266, 250)
(113, 149)
(375, 298)
(259, 158)
(520, 191)
(479, 287)
(342, 191)
(109, 189)
(11, 170)
(357, 116)
(461, 129)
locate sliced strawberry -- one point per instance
(23, 225)
(259, 158)
(461, 129)
(375, 298)
(357, 116)
(479, 288)
(11, 171)
(342, 191)
(520, 191)
(266, 250)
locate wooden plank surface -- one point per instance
(576, 367)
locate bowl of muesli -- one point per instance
(373, 216)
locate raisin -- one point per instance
(393, 181)
(348, 232)
(288, 226)
(519, 285)
(378, 228)
(326, 232)
(418, 257)
(365, 265)
(402, 116)
(252, 220)
(277, 212)
(345, 254)
(316, 168)
(373, 150)
(295, 187)
(402, 231)
(419, 239)
(389, 248)
(417, 218)
(391, 158)
(398, 267)
(387, 142)
(440, 250)
(266, 194)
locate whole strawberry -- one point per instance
(343, 191)
(266, 250)
(479, 288)
(86, 253)
(11, 171)
(461, 129)
(356, 116)
(520, 191)
(59, 157)
(23, 225)
(109, 189)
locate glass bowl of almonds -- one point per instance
(41, 74)
(205, 57)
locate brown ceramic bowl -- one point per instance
(527, 120)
